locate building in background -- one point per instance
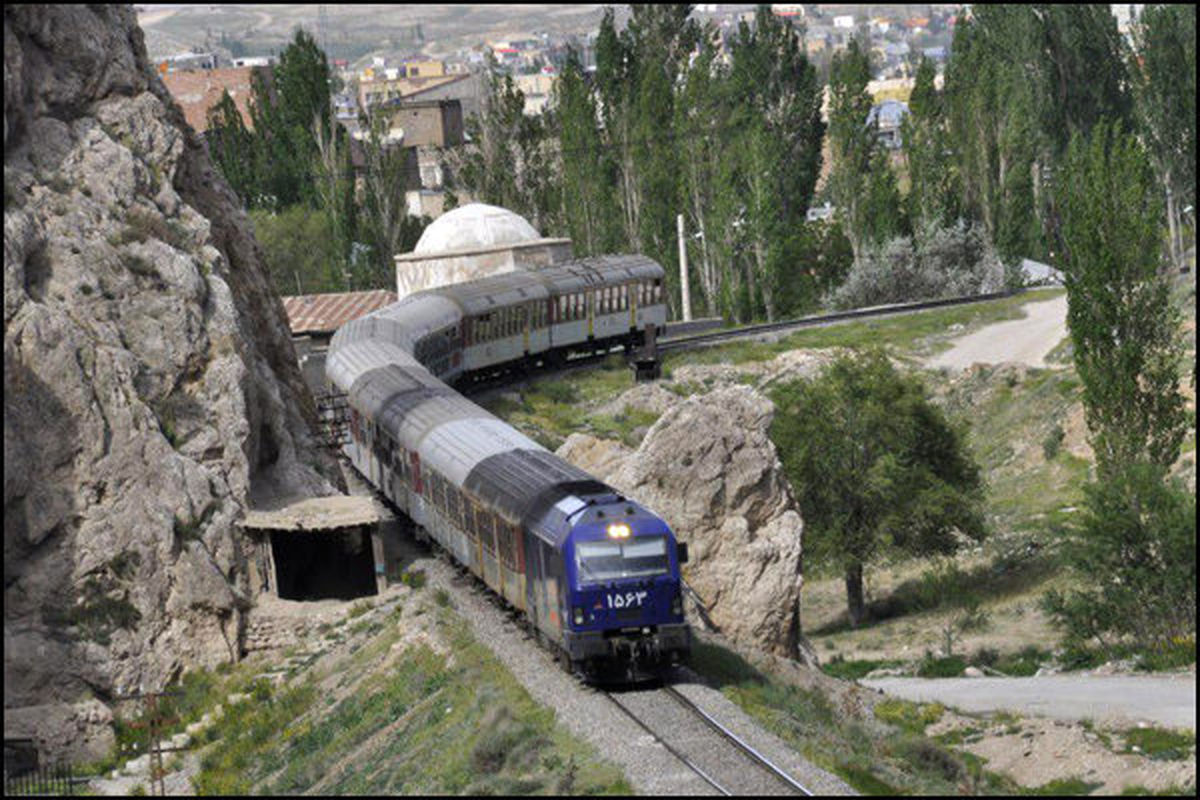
(475, 241)
(197, 91)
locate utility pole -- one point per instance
(683, 271)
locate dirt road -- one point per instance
(1163, 700)
(1025, 340)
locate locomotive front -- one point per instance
(624, 592)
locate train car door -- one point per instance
(416, 472)
(589, 299)
(631, 293)
(526, 315)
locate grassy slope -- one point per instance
(437, 715)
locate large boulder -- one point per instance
(708, 467)
(151, 389)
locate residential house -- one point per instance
(197, 91)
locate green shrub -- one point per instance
(358, 609)
(414, 578)
(558, 391)
(1024, 663)
(1052, 442)
(947, 667)
(1160, 744)
(926, 756)
(1134, 550)
(853, 670)
(908, 716)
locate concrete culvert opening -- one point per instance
(323, 548)
(323, 565)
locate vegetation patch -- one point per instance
(873, 759)
(908, 716)
(947, 667)
(422, 725)
(1160, 744)
(838, 667)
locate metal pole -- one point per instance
(683, 271)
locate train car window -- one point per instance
(487, 531)
(657, 291)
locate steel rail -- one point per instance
(725, 733)
(686, 761)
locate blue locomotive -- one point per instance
(594, 574)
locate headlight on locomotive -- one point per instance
(577, 615)
(677, 604)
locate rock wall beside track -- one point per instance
(708, 467)
(151, 392)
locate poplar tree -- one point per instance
(587, 200)
(781, 132)
(1135, 547)
(862, 183)
(1163, 68)
(231, 146)
(931, 200)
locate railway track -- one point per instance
(717, 755)
(687, 342)
(717, 337)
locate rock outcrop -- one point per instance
(708, 467)
(151, 389)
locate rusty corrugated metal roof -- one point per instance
(325, 313)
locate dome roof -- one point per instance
(475, 226)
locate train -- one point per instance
(594, 574)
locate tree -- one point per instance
(877, 468)
(931, 200)
(1135, 548)
(779, 132)
(332, 185)
(284, 112)
(588, 204)
(862, 183)
(232, 148)
(850, 139)
(507, 162)
(1163, 67)
(1123, 326)
(299, 250)
(384, 221)
(1135, 551)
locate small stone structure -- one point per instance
(475, 241)
(318, 548)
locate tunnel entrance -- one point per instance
(322, 548)
(325, 565)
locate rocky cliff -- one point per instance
(151, 390)
(708, 467)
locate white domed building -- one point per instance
(475, 241)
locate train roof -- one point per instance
(525, 484)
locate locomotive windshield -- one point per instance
(634, 558)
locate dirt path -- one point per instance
(1167, 700)
(1025, 340)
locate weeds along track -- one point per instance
(704, 745)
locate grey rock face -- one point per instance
(151, 390)
(709, 469)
